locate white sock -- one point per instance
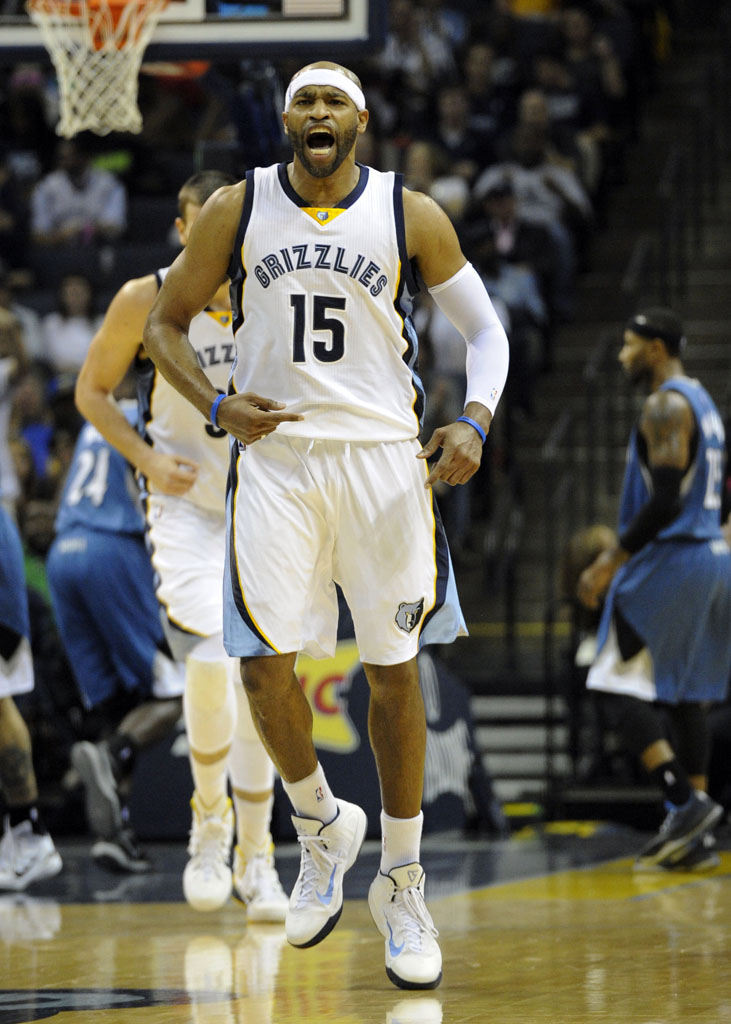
(312, 797)
(253, 822)
(400, 841)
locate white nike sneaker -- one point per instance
(396, 903)
(207, 878)
(257, 885)
(26, 857)
(328, 851)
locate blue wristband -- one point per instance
(475, 424)
(214, 410)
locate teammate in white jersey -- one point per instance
(183, 464)
(328, 482)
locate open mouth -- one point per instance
(320, 141)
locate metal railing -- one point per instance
(583, 456)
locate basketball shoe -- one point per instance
(681, 826)
(327, 852)
(396, 903)
(701, 856)
(257, 885)
(26, 856)
(101, 798)
(207, 877)
(121, 853)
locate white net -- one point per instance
(96, 48)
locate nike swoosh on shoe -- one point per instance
(393, 948)
(326, 897)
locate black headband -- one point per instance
(640, 324)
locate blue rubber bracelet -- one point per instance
(475, 424)
(214, 410)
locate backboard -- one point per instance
(231, 30)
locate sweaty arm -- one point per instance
(190, 284)
(460, 294)
(110, 354)
(668, 427)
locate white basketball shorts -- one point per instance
(188, 546)
(306, 514)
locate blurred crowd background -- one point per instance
(516, 116)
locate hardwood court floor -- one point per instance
(550, 926)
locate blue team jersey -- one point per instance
(13, 594)
(700, 514)
(100, 492)
(675, 592)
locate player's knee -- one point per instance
(255, 675)
(207, 684)
(638, 721)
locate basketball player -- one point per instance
(27, 852)
(664, 631)
(103, 595)
(183, 464)
(328, 482)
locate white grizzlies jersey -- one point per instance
(173, 426)
(321, 301)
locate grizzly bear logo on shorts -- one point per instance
(409, 615)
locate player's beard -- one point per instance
(344, 142)
(640, 377)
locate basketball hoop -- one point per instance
(96, 47)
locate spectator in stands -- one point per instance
(413, 62)
(491, 96)
(579, 113)
(592, 59)
(25, 123)
(69, 328)
(518, 289)
(563, 146)
(12, 361)
(13, 216)
(76, 202)
(525, 242)
(32, 421)
(545, 191)
(30, 322)
(598, 73)
(468, 145)
(446, 21)
(427, 169)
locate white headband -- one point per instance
(325, 76)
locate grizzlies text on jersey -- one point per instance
(321, 300)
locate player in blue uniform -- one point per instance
(27, 852)
(101, 582)
(663, 642)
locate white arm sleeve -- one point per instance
(464, 301)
